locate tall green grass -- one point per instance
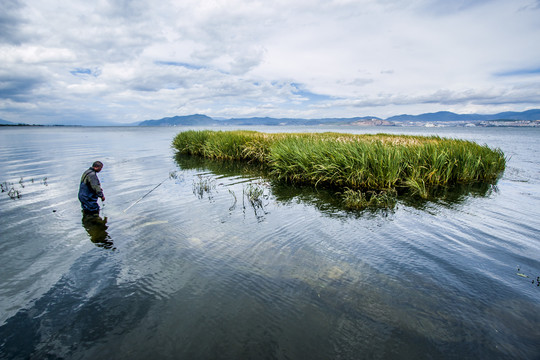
(357, 163)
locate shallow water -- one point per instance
(194, 272)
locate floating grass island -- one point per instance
(367, 170)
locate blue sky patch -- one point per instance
(84, 71)
(181, 64)
(517, 72)
(300, 90)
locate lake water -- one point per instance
(194, 270)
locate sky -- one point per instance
(124, 61)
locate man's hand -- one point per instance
(103, 198)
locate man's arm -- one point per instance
(95, 185)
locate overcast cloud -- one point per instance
(127, 61)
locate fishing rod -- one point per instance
(145, 195)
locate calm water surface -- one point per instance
(194, 270)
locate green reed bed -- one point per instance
(369, 169)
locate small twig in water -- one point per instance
(14, 194)
(233, 206)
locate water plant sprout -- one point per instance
(12, 192)
(368, 170)
(204, 185)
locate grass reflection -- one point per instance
(329, 201)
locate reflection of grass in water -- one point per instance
(220, 167)
(372, 167)
(331, 201)
(356, 199)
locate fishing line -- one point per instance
(145, 195)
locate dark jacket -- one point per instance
(90, 190)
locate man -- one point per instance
(90, 189)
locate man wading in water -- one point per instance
(89, 193)
(90, 189)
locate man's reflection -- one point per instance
(96, 227)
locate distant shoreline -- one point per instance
(425, 120)
(37, 125)
(432, 124)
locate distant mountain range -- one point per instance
(204, 120)
(5, 122)
(441, 116)
(529, 115)
(437, 117)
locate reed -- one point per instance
(372, 165)
(203, 185)
(254, 193)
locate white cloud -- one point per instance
(135, 60)
(35, 55)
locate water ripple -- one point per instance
(213, 276)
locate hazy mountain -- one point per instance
(450, 116)
(5, 122)
(533, 114)
(90, 122)
(294, 121)
(204, 120)
(445, 116)
(196, 119)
